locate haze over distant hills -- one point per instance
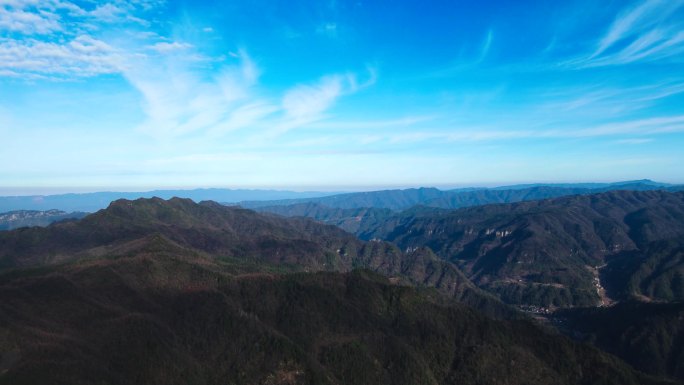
(393, 199)
(23, 218)
(90, 202)
(432, 197)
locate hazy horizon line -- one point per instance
(333, 189)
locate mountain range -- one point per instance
(544, 253)
(91, 202)
(399, 200)
(229, 234)
(393, 199)
(173, 291)
(164, 292)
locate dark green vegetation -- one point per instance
(162, 318)
(568, 251)
(649, 336)
(154, 291)
(655, 272)
(229, 234)
(24, 218)
(544, 253)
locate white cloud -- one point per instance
(178, 101)
(655, 125)
(108, 12)
(598, 101)
(248, 115)
(81, 57)
(641, 127)
(486, 45)
(18, 20)
(307, 102)
(165, 47)
(179, 96)
(653, 30)
(55, 39)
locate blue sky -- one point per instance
(338, 95)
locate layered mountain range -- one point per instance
(399, 200)
(154, 291)
(555, 252)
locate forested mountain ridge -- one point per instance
(229, 233)
(546, 252)
(159, 318)
(178, 280)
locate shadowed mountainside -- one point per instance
(158, 318)
(649, 336)
(654, 272)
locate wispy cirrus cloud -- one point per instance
(652, 30)
(625, 132)
(178, 101)
(605, 100)
(179, 95)
(306, 104)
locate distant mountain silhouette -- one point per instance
(91, 202)
(404, 199)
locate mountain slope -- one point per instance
(162, 319)
(229, 233)
(649, 336)
(355, 221)
(655, 272)
(544, 253)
